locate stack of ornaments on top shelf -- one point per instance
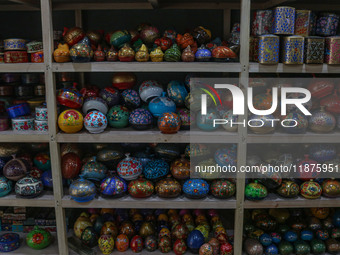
(298, 42)
(146, 43)
(19, 51)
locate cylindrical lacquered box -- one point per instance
(284, 20)
(262, 22)
(327, 24)
(253, 49)
(293, 50)
(332, 52)
(304, 22)
(269, 48)
(314, 50)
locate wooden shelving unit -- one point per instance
(60, 200)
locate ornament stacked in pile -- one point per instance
(177, 230)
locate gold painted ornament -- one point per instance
(157, 55)
(142, 54)
(126, 54)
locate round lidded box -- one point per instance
(9, 242)
(41, 113)
(28, 187)
(18, 110)
(14, 44)
(41, 125)
(23, 123)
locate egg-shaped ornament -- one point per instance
(294, 123)
(82, 190)
(173, 54)
(110, 95)
(317, 246)
(255, 191)
(157, 55)
(129, 168)
(310, 189)
(188, 55)
(203, 54)
(187, 120)
(222, 188)
(150, 243)
(46, 179)
(93, 170)
(169, 123)
(6, 186)
(42, 161)
(331, 188)
(265, 239)
(177, 92)
(89, 237)
(161, 104)
(126, 54)
(288, 189)
(333, 246)
(118, 116)
(179, 247)
(124, 80)
(149, 34)
(226, 249)
(136, 244)
(156, 169)
(95, 103)
(106, 244)
(201, 35)
(28, 187)
(70, 97)
(253, 247)
(223, 54)
(109, 227)
(206, 249)
(292, 107)
(180, 231)
(195, 188)
(322, 152)
(150, 89)
(141, 119)
(195, 240)
(306, 169)
(15, 169)
(70, 121)
(168, 188)
(164, 42)
(226, 156)
(141, 188)
(230, 119)
(122, 243)
(38, 238)
(142, 55)
(119, 38)
(82, 222)
(262, 124)
(180, 168)
(82, 51)
(205, 122)
(322, 121)
(130, 98)
(331, 103)
(113, 187)
(95, 122)
(164, 244)
(70, 165)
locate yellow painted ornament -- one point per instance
(70, 121)
(142, 54)
(79, 226)
(157, 55)
(281, 215)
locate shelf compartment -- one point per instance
(147, 67)
(282, 68)
(308, 137)
(22, 67)
(44, 200)
(147, 136)
(275, 201)
(29, 136)
(152, 202)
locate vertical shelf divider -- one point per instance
(242, 131)
(47, 29)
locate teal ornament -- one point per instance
(82, 190)
(161, 104)
(286, 248)
(156, 169)
(6, 186)
(301, 247)
(119, 38)
(42, 161)
(118, 116)
(177, 92)
(206, 121)
(94, 170)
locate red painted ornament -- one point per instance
(180, 247)
(226, 249)
(70, 165)
(136, 244)
(164, 42)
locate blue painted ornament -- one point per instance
(290, 236)
(322, 152)
(276, 237)
(307, 235)
(113, 187)
(131, 98)
(156, 169)
(271, 250)
(196, 188)
(6, 186)
(161, 104)
(46, 179)
(336, 218)
(265, 239)
(195, 240)
(226, 156)
(203, 54)
(206, 121)
(177, 92)
(82, 190)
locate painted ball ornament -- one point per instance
(89, 237)
(28, 187)
(118, 116)
(70, 165)
(110, 95)
(161, 104)
(226, 249)
(6, 186)
(136, 244)
(82, 190)
(141, 188)
(38, 238)
(106, 244)
(122, 243)
(195, 188)
(195, 240)
(113, 187)
(70, 121)
(95, 122)
(205, 122)
(177, 92)
(322, 121)
(130, 98)
(255, 191)
(129, 168)
(140, 119)
(169, 123)
(310, 189)
(150, 89)
(205, 249)
(150, 243)
(180, 247)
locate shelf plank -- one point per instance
(147, 136)
(305, 68)
(152, 202)
(24, 249)
(275, 201)
(22, 67)
(308, 137)
(44, 200)
(27, 136)
(147, 67)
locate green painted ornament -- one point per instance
(137, 44)
(288, 189)
(301, 247)
(119, 38)
(335, 233)
(318, 246)
(38, 238)
(286, 248)
(118, 116)
(89, 237)
(173, 54)
(255, 191)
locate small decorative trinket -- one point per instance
(322, 121)
(310, 190)
(202, 54)
(255, 191)
(288, 189)
(173, 54)
(149, 34)
(129, 168)
(201, 35)
(95, 122)
(196, 188)
(304, 22)
(106, 244)
(141, 188)
(262, 22)
(188, 55)
(9, 242)
(118, 116)
(126, 54)
(38, 238)
(119, 38)
(110, 95)
(164, 42)
(332, 52)
(82, 190)
(113, 187)
(161, 104)
(293, 50)
(140, 119)
(28, 187)
(314, 50)
(73, 35)
(142, 55)
(223, 53)
(112, 55)
(327, 24)
(62, 53)
(156, 55)
(99, 54)
(284, 20)
(81, 52)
